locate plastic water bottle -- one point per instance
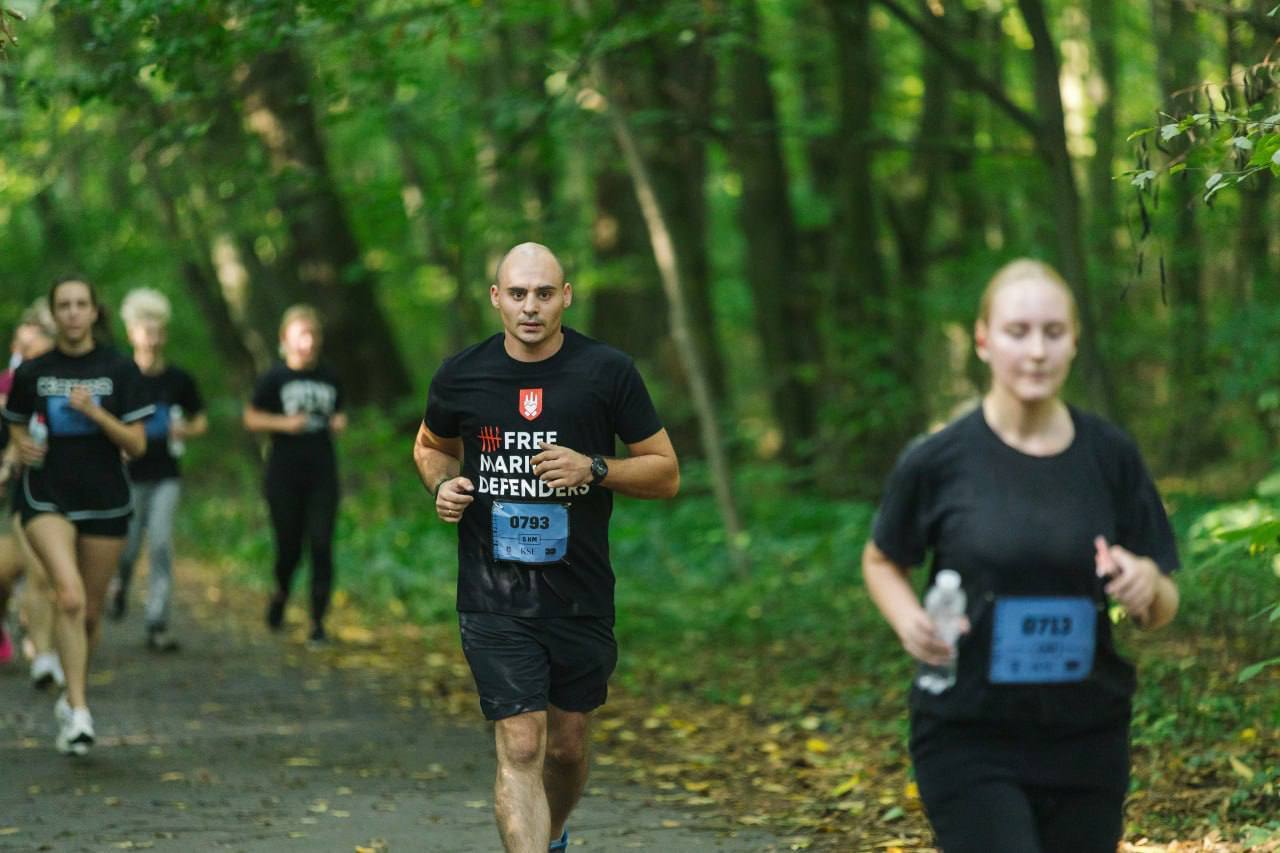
(177, 446)
(944, 602)
(38, 432)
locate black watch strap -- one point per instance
(599, 469)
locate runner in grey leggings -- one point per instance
(157, 483)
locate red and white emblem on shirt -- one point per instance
(530, 403)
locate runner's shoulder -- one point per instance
(597, 353)
(928, 449)
(481, 352)
(1109, 441)
(36, 366)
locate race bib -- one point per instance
(530, 533)
(65, 421)
(1042, 640)
(157, 424)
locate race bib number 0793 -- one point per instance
(530, 532)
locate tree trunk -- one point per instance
(783, 300)
(870, 360)
(1255, 272)
(1103, 219)
(665, 256)
(1051, 140)
(912, 219)
(1190, 438)
(322, 245)
(671, 85)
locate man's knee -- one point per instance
(567, 748)
(521, 740)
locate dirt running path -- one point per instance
(243, 741)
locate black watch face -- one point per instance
(598, 468)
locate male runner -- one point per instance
(517, 447)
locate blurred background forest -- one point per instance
(838, 179)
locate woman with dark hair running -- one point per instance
(299, 402)
(1046, 513)
(72, 411)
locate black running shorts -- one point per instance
(112, 528)
(522, 664)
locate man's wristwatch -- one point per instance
(599, 469)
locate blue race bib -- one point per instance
(157, 423)
(1043, 640)
(530, 533)
(65, 421)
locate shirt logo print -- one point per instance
(490, 439)
(530, 403)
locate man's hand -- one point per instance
(560, 467)
(452, 499)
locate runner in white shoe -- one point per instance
(155, 479)
(72, 411)
(33, 337)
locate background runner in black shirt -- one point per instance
(299, 402)
(178, 416)
(516, 445)
(1035, 505)
(75, 492)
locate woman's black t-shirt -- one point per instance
(1020, 529)
(314, 391)
(525, 549)
(83, 475)
(170, 387)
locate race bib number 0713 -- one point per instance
(1043, 640)
(530, 532)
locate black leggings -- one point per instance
(303, 500)
(1000, 815)
(991, 788)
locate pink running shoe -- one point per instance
(6, 647)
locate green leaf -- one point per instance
(1143, 132)
(1244, 143)
(1214, 180)
(1177, 167)
(1275, 158)
(1263, 533)
(1141, 179)
(1169, 131)
(1252, 670)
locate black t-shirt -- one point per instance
(83, 475)
(314, 391)
(1020, 526)
(170, 387)
(580, 398)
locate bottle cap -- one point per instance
(948, 579)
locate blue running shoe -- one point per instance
(560, 845)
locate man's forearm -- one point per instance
(434, 466)
(649, 475)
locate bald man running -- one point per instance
(517, 447)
